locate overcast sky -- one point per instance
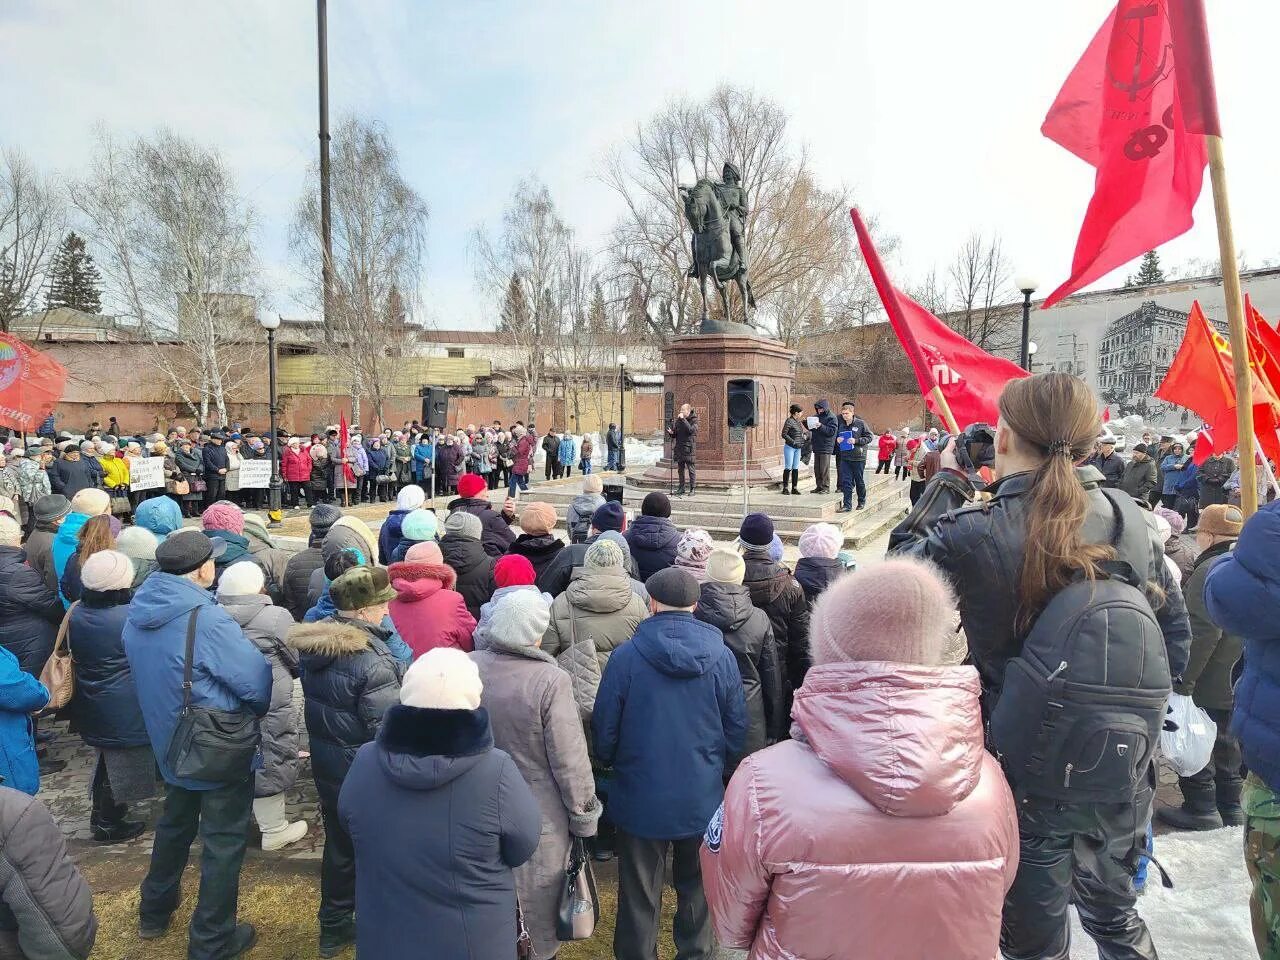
(930, 109)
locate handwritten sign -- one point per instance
(146, 473)
(255, 474)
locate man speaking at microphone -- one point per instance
(684, 430)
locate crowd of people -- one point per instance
(829, 772)
(202, 467)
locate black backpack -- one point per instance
(1080, 712)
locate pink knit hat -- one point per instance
(223, 515)
(428, 551)
(1177, 522)
(900, 611)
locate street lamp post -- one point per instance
(1032, 348)
(270, 322)
(1028, 286)
(622, 412)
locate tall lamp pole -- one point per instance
(270, 323)
(1028, 286)
(622, 412)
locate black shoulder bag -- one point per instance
(213, 745)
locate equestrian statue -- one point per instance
(716, 212)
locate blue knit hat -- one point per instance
(419, 525)
(609, 516)
(756, 530)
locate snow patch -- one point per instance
(1206, 914)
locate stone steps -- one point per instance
(720, 512)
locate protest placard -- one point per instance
(146, 473)
(255, 474)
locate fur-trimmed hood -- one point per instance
(405, 574)
(333, 638)
(424, 749)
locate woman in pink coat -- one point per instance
(427, 611)
(883, 828)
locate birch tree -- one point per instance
(177, 255)
(379, 244)
(31, 221)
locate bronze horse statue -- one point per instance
(714, 256)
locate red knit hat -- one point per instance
(471, 485)
(513, 570)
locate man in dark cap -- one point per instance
(669, 713)
(304, 563)
(228, 674)
(216, 464)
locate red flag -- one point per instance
(1106, 414)
(1121, 111)
(1266, 345)
(343, 438)
(969, 378)
(31, 384)
(1190, 34)
(1202, 379)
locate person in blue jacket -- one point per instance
(823, 437)
(669, 715)
(1173, 471)
(852, 438)
(567, 453)
(424, 457)
(160, 515)
(228, 673)
(1242, 596)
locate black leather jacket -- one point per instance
(980, 548)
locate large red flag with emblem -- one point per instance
(969, 378)
(31, 384)
(1136, 108)
(1202, 379)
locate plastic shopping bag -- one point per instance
(1188, 736)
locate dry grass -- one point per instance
(282, 905)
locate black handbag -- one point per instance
(208, 744)
(579, 909)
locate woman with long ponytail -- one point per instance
(1047, 524)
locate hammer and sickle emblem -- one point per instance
(1135, 83)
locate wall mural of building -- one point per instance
(1122, 341)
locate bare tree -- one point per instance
(179, 261)
(530, 255)
(31, 221)
(798, 240)
(981, 284)
(379, 242)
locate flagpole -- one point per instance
(1236, 327)
(1266, 468)
(945, 410)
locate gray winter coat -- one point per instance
(267, 626)
(578, 517)
(599, 603)
(39, 547)
(535, 721)
(46, 908)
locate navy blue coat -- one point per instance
(349, 679)
(824, 434)
(105, 705)
(214, 458)
(653, 544)
(669, 714)
(69, 477)
(439, 819)
(379, 461)
(1242, 596)
(389, 535)
(29, 611)
(228, 671)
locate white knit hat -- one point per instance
(410, 498)
(107, 570)
(91, 502)
(241, 579)
(822, 540)
(10, 532)
(520, 618)
(442, 679)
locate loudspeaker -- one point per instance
(741, 402)
(435, 407)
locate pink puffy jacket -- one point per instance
(884, 829)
